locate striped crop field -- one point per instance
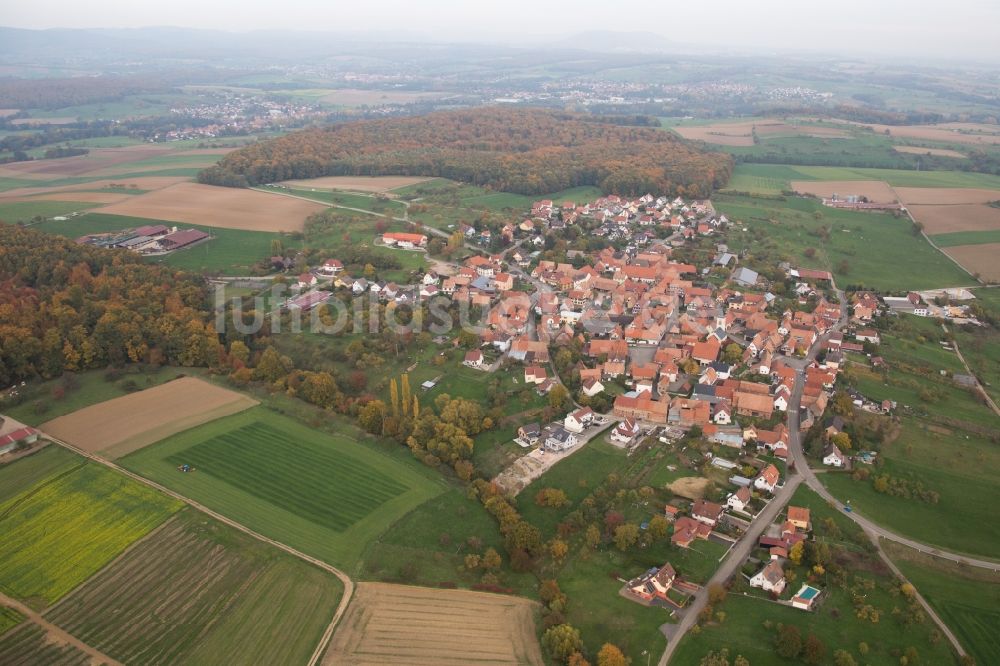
(63, 529)
(29, 645)
(200, 592)
(326, 495)
(333, 490)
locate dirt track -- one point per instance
(419, 626)
(223, 207)
(122, 425)
(54, 633)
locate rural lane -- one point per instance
(344, 578)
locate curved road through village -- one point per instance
(801, 472)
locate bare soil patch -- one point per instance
(937, 196)
(358, 183)
(419, 626)
(940, 152)
(980, 259)
(874, 190)
(960, 217)
(741, 133)
(692, 487)
(122, 425)
(223, 207)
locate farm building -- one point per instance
(404, 240)
(13, 433)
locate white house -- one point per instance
(330, 267)
(474, 359)
(577, 421)
(625, 431)
(560, 439)
(768, 479)
(781, 399)
(723, 414)
(739, 500)
(306, 280)
(592, 387)
(832, 456)
(770, 579)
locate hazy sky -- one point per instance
(954, 28)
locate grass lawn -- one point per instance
(960, 467)
(877, 250)
(161, 602)
(325, 495)
(981, 347)
(577, 475)
(67, 526)
(229, 252)
(953, 402)
(968, 600)
(428, 546)
(590, 581)
(915, 341)
(38, 403)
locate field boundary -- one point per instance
(344, 578)
(60, 634)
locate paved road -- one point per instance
(344, 578)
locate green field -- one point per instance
(229, 252)
(9, 618)
(967, 237)
(200, 592)
(895, 177)
(967, 599)
(961, 467)
(981, 345)
(325, 495)
(916, 342)
(428, 546)
(24, 211)
(878, 250)
(67, 526)
(47, 462)
(30, 644)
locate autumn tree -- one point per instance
(611, 655)
(561, 641)
(626, 536)
(788, 642)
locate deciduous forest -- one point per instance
(527, 151)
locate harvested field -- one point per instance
(140, 183)
(874, 190)
(358, 183)
(940, 196)
(399, 624)
(959, 217)
(963, 133)
(97, 159)
(65, 120)
(741, 133)
(223, 207)
(86, 197)
(122, 425)
(980, 259)
(940, 152)
(692, 487)
(353, 97)
(198, 592)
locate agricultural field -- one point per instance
(9, 618)
(325, 495)
(67, 526)
(959, 466)
(939, 152)
(30, 645)
(397, 624)
(218, 207)
(13, 211)
(48, 462)
(745, 133)
(895, 177)
(160, 602)
(979, 259)
(877, 250)
(750, 623)
(981, 345)
(967, 599)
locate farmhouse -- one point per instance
(473, 359)
(833, 457)
(687, 530)
(738, 501)
(578, 421)
(15, 433)
(404, 240)
(799, 517)
(706, 512)
(768, 479)
(625, 431)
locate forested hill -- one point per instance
(527, 151)
(65, 306)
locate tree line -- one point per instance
(527, 151)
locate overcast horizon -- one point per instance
(887, 28)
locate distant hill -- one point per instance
(528, 151)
